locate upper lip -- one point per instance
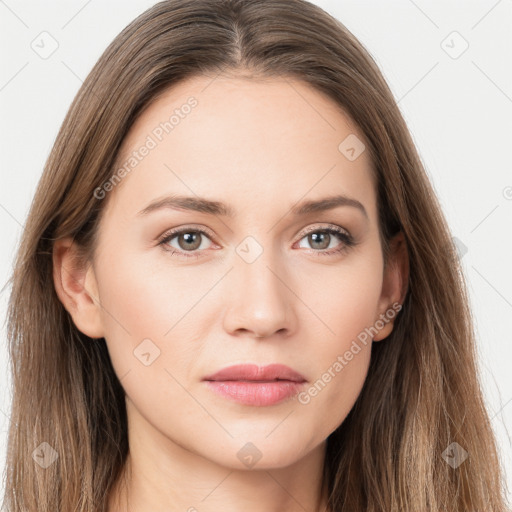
(253, 372)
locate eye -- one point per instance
(321, 239)
(188, 240)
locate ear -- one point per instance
(394, 284)
(76, 287)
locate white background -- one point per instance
(459, 111)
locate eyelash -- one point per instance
(346, 239)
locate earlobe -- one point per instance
(75, 285)
(394, 286)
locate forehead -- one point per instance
(260, 142)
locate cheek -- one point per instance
(347, 307)
(146, 295)
(151, 305)
(342, 298)
(340, 360)
(150, 342)
(137, 310)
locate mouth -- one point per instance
(256, 386)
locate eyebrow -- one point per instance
(208, 206)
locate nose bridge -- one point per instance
(260, 298)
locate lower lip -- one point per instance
(255, 393)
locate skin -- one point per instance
(260, 146)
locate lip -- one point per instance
(253, 372)
(250, 384)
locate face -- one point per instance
(262, 273)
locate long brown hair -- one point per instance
(422, 392)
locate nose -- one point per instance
(260, 300)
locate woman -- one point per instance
(236, 287)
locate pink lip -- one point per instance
(252, 385)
